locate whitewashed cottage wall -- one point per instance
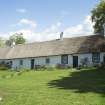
(54, 60)
(16, 63)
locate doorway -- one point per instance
(32, 63)
(75, 61)
(104, 58)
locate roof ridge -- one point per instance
(63, 38)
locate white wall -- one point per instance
(101, 57)
(70, 60)
(54, 60)
(16, 63)
(82, 56)
(26, 63)
(89, 56)
(38, 61)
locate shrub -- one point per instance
(48, 67)
(4, 67)
(40, 67)
(102, 66)
(63, 66)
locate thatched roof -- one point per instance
(86, 44)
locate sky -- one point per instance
(41, 20)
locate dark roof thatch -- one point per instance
(76, 45)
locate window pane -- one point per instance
(96, 57)
(47, 60)
(64, 59)
(21, 62)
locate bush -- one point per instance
(4, 67)
(102, 66)
(50, 67)
(44, 67)
(37, 67)
(63, 66)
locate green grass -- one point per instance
(58, 87)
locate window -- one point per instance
(21, 62)
(64, 59)
(96, 57)
(47, 60)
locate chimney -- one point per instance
(61, 36)
(13, 44)
(104, 29)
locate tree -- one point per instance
(2, 42)
(98, 17)
(17, 38)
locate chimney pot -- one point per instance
(13, 44)
(61, 36)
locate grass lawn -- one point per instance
(58, 87)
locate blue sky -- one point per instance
(47, 17)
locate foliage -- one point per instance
(44, 67)
(2, 42)
(50, 68)
(4, 67)
(63, 66)
(17, 38)
(102, 66)
(98, 17)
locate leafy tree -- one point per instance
(17, 38)
(98, 17)
(2, 42)
(8, 43)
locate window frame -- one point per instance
(47, 60)
(21, 62)
(64, 59)
(96, 57)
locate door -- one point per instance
(75, 61)
(32, 63)
(104, 58)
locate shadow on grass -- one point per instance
(82, 82)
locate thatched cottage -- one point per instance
(86, 50)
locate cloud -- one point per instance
(21, 10)
(47, 34)
(25, 22)
(85, 28)
(54, 30)
(4, 35)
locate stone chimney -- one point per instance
(13, 44)
(61, 36)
